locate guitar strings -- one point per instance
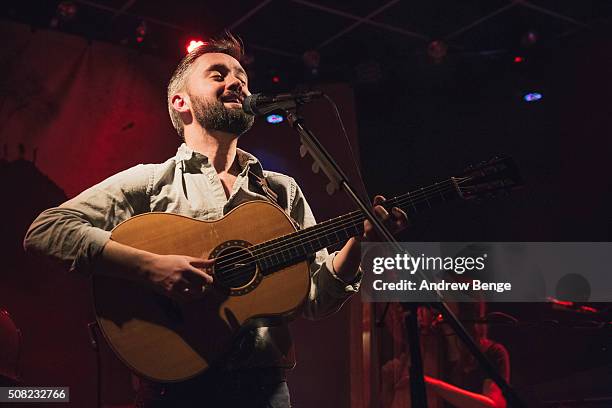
(331, 224)
(260, 250)
(238, 273)
(348, 220)
(355, 217)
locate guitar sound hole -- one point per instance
(234, 267)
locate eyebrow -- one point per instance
(224, 68)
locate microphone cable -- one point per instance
(350, 146)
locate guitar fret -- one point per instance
(275, 255)
(346, 234)
(263, 263)
(311, 247)
(327, 240)
(425, 195)
(412, 202)
(293, 249)
(278, 255)
(357, 229)
(297, 250)
(286, 255)
(440, 192)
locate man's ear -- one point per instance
(180, 102)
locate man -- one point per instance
(206, 179)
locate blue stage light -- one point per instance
(532, 97)
(274, 119)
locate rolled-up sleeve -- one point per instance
(327, 291)
(76, 232)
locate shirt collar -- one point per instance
(245, 158)
(186, 153)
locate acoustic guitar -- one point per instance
(261, 270)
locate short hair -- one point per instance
(227, 43)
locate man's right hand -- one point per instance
(171, 274)
(179, 274)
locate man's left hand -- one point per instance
(396, 220)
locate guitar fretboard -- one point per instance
(298, 246)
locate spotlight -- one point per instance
(141, 31)
(193, 44)
(276, 79)
(437, 50)
(518, 59)
(65, 12)
(274, 119)
(529, 39)
(532, 97)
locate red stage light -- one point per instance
(193, 44)
(276, 79)
(518, 59)
(437, 50)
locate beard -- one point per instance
(216, 116)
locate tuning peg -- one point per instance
(303, 150)
(315, 167)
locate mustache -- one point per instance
(232, 95)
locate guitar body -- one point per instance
(168, 340)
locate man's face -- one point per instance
(217, 85)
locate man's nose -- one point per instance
(234, 84)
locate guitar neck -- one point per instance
(298, 246)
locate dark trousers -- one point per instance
(256, 388)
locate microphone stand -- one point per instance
(337, 179)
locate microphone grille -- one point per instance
(249, 105)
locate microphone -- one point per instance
(260, 104)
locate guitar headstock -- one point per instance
(489, 178)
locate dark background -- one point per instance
(418, 119)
